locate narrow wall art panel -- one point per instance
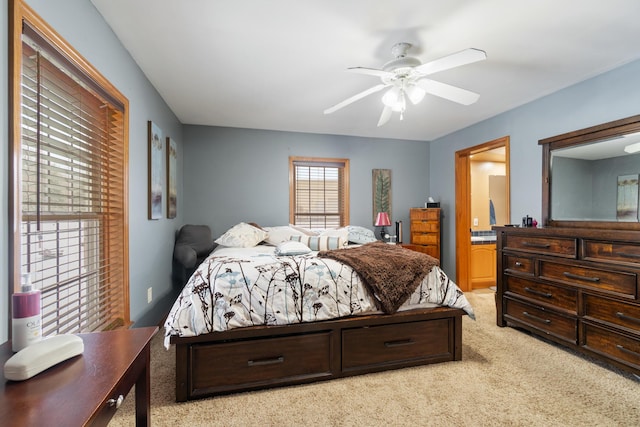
(381, 183)
(172, 187)
(155, 178)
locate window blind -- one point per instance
(319, 192)
(73, 187)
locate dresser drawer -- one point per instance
(388, 344)
(425, 238)
(432, 250)
(255, 362)
(425, 226)
(612, 312)
(518, 265)
(429, 214)
(616, 282)
(612, 252)
(612, 345)
(556, 246)
(564, 298)
(563, 327)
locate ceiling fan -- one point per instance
(405, 76)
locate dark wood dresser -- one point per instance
(576, 287)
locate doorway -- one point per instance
(480, 168)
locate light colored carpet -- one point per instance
(506, 378)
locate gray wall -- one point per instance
(610, 96)
(243, 174)
(150, 242)
(571, 189)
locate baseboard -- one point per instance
(156, 314)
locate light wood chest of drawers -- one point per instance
(425, 230)
(576, 287)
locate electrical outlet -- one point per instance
(149, 295)
(475, 222)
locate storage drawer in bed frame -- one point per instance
(269, 356)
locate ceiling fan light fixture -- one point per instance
(632, 148)
(415, 93)
(395, 99)
(391, 97)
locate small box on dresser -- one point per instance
(576, 287)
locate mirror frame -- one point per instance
(578, 137)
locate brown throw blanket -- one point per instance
(390, 272)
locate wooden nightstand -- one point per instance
(86, 389)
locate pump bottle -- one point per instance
(26, 322)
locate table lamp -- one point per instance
(382, 220)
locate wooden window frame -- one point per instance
(113, 232)
(343, 202)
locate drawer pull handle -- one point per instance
(621, 315)
(575, 276)
(518, 264)
(536, 245)
(539, 319)
(263, 362)
(115, 402)
(626, 350)
(542, 294)
(628, 255)
(399, 343)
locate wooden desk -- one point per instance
(78, 391)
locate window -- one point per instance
(318, 192)
(69, 181)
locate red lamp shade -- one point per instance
(382, 220)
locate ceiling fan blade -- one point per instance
(370, 71)
(464, 57)
(452, 93)
(355, 97)
(385, 116)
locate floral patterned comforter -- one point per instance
(238, 287)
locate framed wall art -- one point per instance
(627, 203)
(155, 177)
(381, 182)
(172, 187)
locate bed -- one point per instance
(255, 316)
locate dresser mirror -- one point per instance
(590, 177)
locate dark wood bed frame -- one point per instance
(269, 356)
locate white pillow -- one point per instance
(321, 243)
(303, 230)
(342, 233)
(292, 248)
(242, 235)
(360, 235)
(280, 234)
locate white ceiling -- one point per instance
(278, 64)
